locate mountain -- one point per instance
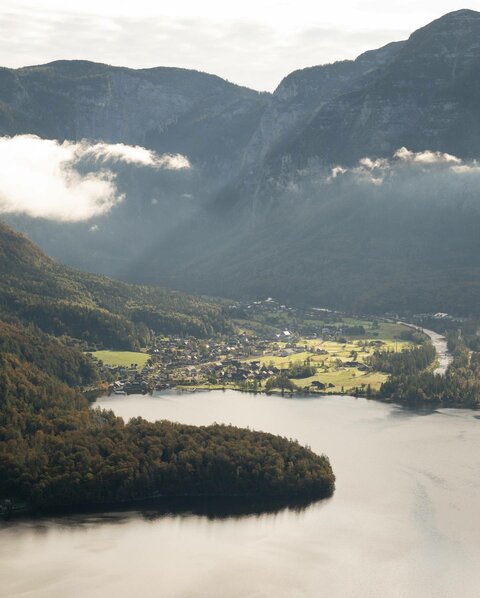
(304, 92)
(285, 229)
(34, 289)
(260, 212)
(165, 109)
(424, 96)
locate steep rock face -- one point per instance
(424, 97)
(161, 108)
(302, 93)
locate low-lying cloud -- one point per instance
(69, 181)
(405, 162)
(425, 179)
(129, 154)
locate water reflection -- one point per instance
(211, 508)
(231, 508)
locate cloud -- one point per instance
(427, 179)
(405, 163)
(426, 157)
(69, 181)
(130, 154)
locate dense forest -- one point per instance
(406, 362)
(47, 353)
(63, 301)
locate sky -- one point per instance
(253, 42)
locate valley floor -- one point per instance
(277, 348)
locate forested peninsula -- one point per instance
(55, 451)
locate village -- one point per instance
(190, 362)
(319, 352)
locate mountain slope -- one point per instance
(62, 301)
(149, 107)
(354, 251)
(411, 244)
(424, 97)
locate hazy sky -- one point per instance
(251, 42)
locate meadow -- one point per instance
(122, 358)
(329, 356)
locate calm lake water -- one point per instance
(403, 521)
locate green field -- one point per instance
(280, 362)
(346, 378)
(122, 358)
(327, 356)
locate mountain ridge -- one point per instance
(256, 199)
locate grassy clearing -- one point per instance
(348, 379)
(281, 362)
(328, 356)
(386, 331)
(122, 358)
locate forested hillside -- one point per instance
(52, 357)
(35, 289)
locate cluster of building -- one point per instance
(190, 361)
(223, 361)
(182, 361)
(227, 371)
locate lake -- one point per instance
(403, 521)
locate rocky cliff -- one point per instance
(166, 109)
(424, 95)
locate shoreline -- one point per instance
(229, 504)
(422, 407)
